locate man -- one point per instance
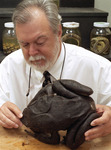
(38, 31)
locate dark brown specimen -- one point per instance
(62, 105)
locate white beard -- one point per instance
(48, 63)
(37, 66)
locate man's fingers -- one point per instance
(105, 116)
(100, 121)
(96, 132)
(6, 122)
(10, 115)
(102, 124)
(5, 125)
(14, 109)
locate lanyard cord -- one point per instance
(63, 60)
(29, 83)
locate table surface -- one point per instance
(18, 139)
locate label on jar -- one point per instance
(100, 45)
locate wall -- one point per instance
(104, 5)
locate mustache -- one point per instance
(33, 58)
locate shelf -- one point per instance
(88, 12)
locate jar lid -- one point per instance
(70, 24)
(101, 24)
(9, 25)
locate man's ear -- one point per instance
(60, 31)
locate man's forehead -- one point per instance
(35, 12)
(36, 39)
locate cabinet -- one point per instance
(77, 3)
(9, 3)
(85, 16)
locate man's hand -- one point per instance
(10, 115)
(102, 124)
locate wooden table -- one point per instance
(17, 139)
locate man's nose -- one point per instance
(33, 50)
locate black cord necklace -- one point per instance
(29, 83)
(63, 60)
(28, 91)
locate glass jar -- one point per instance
(71, 33)
(100, 38)
(9, 39)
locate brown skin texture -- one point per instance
(62, 105)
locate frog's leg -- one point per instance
(76, 138)
(48, 138)
(84, 127)
(53, 138)
(71, 134)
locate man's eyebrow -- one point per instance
(42, 36)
